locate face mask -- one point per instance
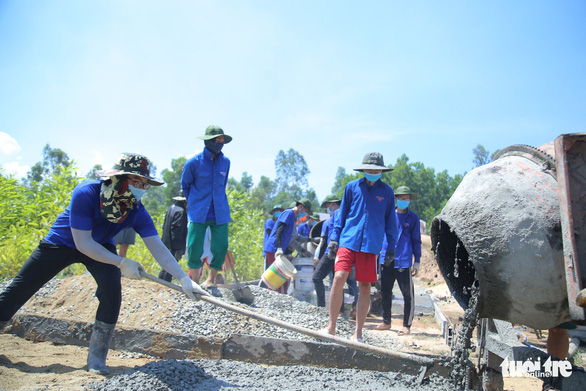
(329, 210)
(402, 204)
(213, 146)
(372, 177)
(313, 223)
(302, 214)
(136, 192)
(277, 214)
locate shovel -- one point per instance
(242, 293)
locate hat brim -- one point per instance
(227, 138)
(297, 203)
(363, 167)
(179, 198)
(276, 209)
(413, 195)
(151, 181)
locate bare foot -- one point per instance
(327, 331)
(404, 331)
(356, 339)
(382, 326)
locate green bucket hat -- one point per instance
(276, 208)
(306, 203)
(330, 198)
(405, 190)
(373, 161)
(315, 216)
(292, 205)
(133, 164)
(214, 131)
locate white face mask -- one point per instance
(136, 192)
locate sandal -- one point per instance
(404, 331)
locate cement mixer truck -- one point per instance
(513, 239)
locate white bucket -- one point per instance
(278, 273)
(303, 282)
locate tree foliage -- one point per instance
(481, 156)
(54, 160)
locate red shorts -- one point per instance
(365, 264)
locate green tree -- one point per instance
(54, 160)
(93, 172)
(246, 181)
(172, 179)
(261, 195)
(481, 156)
(291, 170)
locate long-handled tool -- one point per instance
(242, 293)
(420, 359)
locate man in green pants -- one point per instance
(204, 181)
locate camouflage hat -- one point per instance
(214, 131)
(373, 161)
(330, 198)
(277, 208)
(133, 164)
(405, 190)
(306, 203)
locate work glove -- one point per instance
(130, 268)
(189, 287)
(316, 240)
(279, 252)
(389, 257)
(415, 269)
(332, 249)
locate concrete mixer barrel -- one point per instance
(501, 230)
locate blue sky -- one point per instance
(331, 79)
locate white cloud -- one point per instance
(8, 144)
(16, 169)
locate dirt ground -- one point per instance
(30, 365)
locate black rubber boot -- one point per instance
(99, 345)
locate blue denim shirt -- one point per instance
(204, 180)
(366, 215)
(409, 242)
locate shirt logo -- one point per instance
(380, 198)
(223, 173)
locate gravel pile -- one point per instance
(205, 319)
(208, 375)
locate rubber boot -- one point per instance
(99, 345)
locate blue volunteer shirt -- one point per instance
(204, 185)
(288, 218)
(83, 213)
(304, 230)
(269, 224)
(366, 215)
(409, 242)
(328, 228)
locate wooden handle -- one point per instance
(421, 359)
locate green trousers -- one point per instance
(218, 246)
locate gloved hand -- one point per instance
(389, 257)
(190, 286)
(332, 249)
(279, 252)
(130, 268)
(415, 269)
(316, 240)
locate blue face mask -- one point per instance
(330, 211)
(372, 177)
(277, 214)
(313, 223)
(401, 204)
(136, 192)
(302, 214)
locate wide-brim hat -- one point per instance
(401, 190)
(315, 216)
(306, 203)
(277, 208)
(133, 164)
(373, 161)
(180, 197)
(330, 198)
(214, 131)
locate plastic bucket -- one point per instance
(304, 264)
(278, 273)
(303, 282)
